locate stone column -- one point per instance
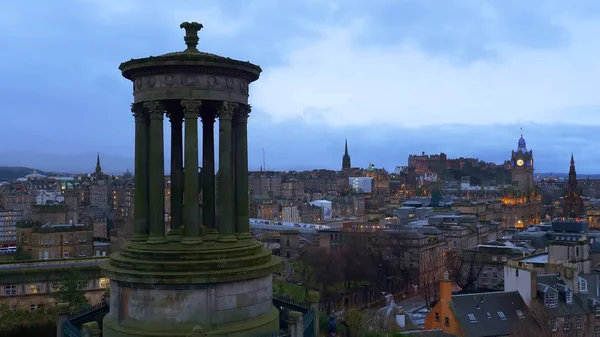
(191, 232)
(226, 176)
(176, 118)
(313, 304)
(63, 316)
(242, 219)
(295, 324)
(140, 203)
(208, 171)
(156, 173)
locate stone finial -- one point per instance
(191, 35)
(90, 329)
(63, 308)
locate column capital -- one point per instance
(138, 112)
(191, 108)
(242, 113)
(228, 110)
(155, 109)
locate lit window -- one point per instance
(104, 282)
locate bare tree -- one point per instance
(549, 325)
(430, 290)
(464, 269)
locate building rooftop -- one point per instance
(490, 314)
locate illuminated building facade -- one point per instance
(522, 201)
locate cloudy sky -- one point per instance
(393, 76)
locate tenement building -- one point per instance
(207, 274)
(55, 241)
(521, 202)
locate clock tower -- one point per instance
(521, 202)
(521, 166)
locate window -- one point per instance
(437, 316)
(504, 258)
(495, 275)
(579, 323)
(553, 324)
(569, 297)
(577, 251)
(520, 313)
(10, 289)
(597, 310)
(66, 254)
(551, 299)
(472, 318)
(35, 288)
(104, 283)
(501, 315)
(488, 315)
(494, 258)
(582, 285)
(33, 307)
(446, 321)
(597, 331)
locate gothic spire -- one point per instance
(346, 150)
(98, 167)
(346, 158)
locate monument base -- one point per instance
(213, 289)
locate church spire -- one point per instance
(98, 167)
(346, 158)
(346, 151)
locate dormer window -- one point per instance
(583, 285)
(551, 299)
(569, 297)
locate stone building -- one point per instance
(485, 209)
(8, 226)
(522, 202)
(292, 189)
(30, 289)
(55, 241)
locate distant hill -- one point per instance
(566, 175)
(75, 163)
(11, 173)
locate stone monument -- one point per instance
(199, 275)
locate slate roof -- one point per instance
(490, 314)
(548, 283)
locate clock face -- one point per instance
(520, 162)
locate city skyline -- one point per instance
(393, 84)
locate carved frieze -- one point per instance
(231, 84)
